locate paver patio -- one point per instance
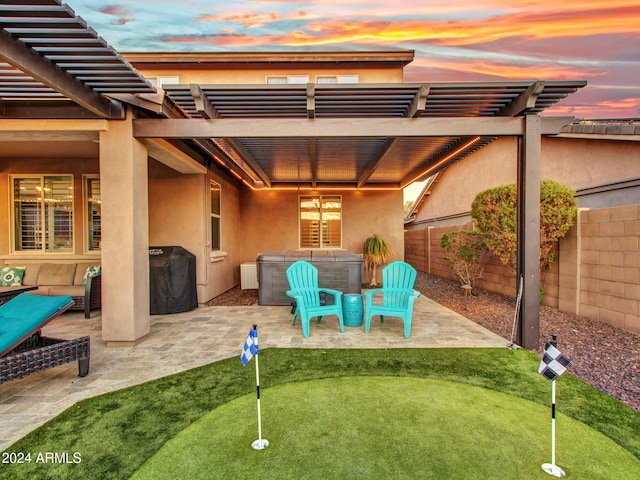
(178, 342)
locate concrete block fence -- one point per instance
(596, 273)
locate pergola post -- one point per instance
(125, 235)
(528, 232)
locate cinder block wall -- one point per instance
(596, 274)
(416, 249)
(609, 266)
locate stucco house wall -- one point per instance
(269, 220)
(259, 76)
(254, 68)
(596, 273)
(179, 215)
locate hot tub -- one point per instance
(337, 269)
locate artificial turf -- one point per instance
(385, 427)
(116, 433)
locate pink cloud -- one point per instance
(117, 11)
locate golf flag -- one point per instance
(250, 347)
(553, 363)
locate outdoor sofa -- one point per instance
(81, 281)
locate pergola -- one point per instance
(315, 137)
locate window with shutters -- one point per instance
(321, 221)
(43, 213)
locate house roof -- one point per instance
(266, 58)
(309, 136)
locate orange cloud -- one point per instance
(509, 71)
(247, 20)
(620, 108)
(540, 25)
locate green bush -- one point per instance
(463, 250)
(494, 214)
(558, 209)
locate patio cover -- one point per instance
(354, 136)
(365, 136)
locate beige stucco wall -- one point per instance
(178, 209)
(456, 188)
(179, 215)
(269, 220)
(259, 76)
(575, 163)
(580, 163)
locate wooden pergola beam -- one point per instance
(375, 162)
(311, 100)
(251, 162)
(30, 62)
(419, 102)
(341, 127)
(203, 105)
(523, 102)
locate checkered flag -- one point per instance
(553, 363)
(250, 347)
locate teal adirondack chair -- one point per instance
(303, 283)
(398, 295)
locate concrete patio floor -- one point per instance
(187, 340)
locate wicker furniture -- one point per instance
(7, 293)
(52, 279)
(23, 350)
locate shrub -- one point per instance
(463, 250)
(494, 214)
(376, 251)
(558, 208)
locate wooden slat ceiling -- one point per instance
(386, 162)
(49, 54)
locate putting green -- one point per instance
(386, 427)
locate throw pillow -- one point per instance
(11, 276)
(92, 271)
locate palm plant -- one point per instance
(376, 251)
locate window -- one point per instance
(160, 81)
(93, 205)
(215, 216)
(277, 80)
(43, 213)
(284, 79)
(299, 79)
(337, 79)
(321, 221)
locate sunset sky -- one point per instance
(454, 40)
